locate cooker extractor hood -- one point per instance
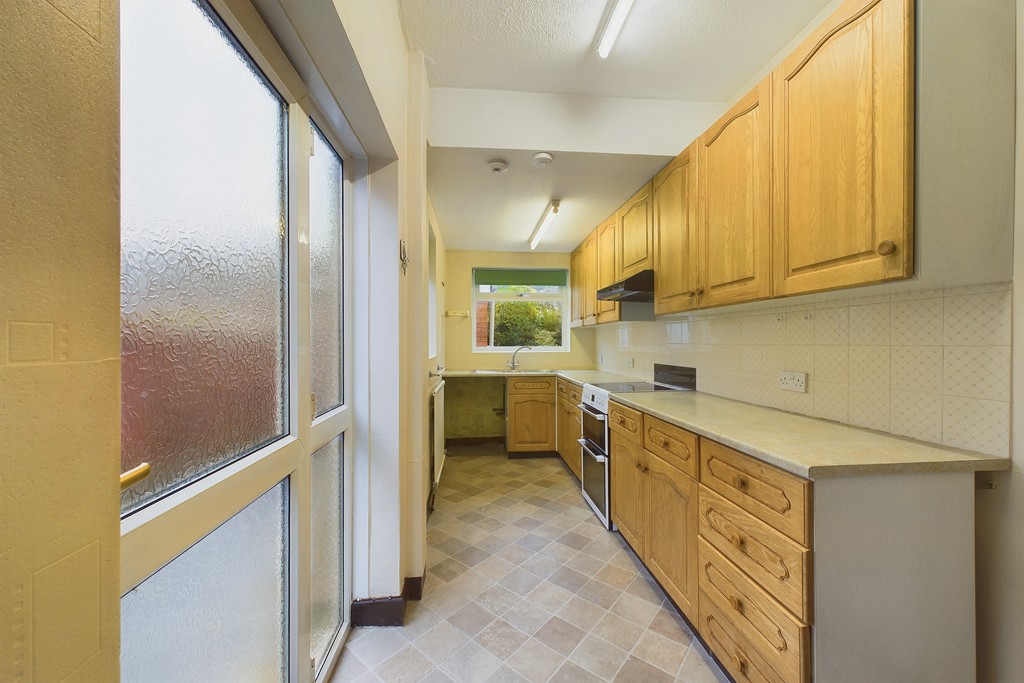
(639, 287)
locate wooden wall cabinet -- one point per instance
(589, 285)
(843, 164)
(576, 287)
(734, 182)
(530, 404)
(635, 234)
(607, 245)
(676, 246)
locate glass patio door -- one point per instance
(232, 228)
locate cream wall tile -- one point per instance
(917, 415)
(869, 366)
(977, 372)
(773, 360)
(976, 425)
(831, 326)
(801, 403)
(979, 289)
(917, 323)
(751, 326)
(869, 407)
(800, 327)
(831, 401)
(832, 364)
(751, 355)
(917, 368)
(869, 325)
(771, 395)
(800, 359)
(773, 327)
(977, 320)
(726, 330)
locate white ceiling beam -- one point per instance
(502, 119)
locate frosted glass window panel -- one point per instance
(326, 547)
(325, 274)
(217, 612)
(203, 251)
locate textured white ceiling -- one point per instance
(669, 49)
(481, 211)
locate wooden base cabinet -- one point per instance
(672, 522)
(530, 405)
(629, 489)
(569, 430)
(854, 578)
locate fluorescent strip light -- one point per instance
(612, 28)
(549, 218)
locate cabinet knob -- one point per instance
(739, 482)
(734, 602)
(886, 247)
(736, 540)
(698, 291)
(738, 662)
(664, 443)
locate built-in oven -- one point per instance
(596, 446)
(596, 467)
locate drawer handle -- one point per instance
(735, 603)
(664, 443)
(739, 482)
(736, 540)
(739, 662)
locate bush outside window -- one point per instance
(513, 308)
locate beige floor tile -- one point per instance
(524, 584)
(598, 656)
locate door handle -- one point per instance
(591, 413)
(134, 475)
(599, 458)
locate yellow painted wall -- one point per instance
(59, 342)
(459, 331)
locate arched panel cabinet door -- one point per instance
(844, 147)
(734, 178)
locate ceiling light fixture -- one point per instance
(547, 220)
(614, 25)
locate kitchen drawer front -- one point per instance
(782, 640)
(743, 661)
(531, 385)
(778, 564)
(563, 389)
(575, 394)
(776, 497)
(625, 421)
(675, 445)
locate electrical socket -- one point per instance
(600, 358)
(793, 381)
(629, 362)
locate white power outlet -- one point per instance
(793, 381)
(629, 362)
(600, 358)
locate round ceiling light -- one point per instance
(542, 159)
(497, 166)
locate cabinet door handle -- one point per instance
(886, 247)
(736, 540)
(698, 291)
(739, 482)
(735, 603)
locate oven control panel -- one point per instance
(596, 398)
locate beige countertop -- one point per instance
(805, 446)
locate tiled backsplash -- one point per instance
(931, 365)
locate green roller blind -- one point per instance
(512, 276)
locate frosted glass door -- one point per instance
(203, 253)
(219, 611)
(327, 585)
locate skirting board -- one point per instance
(532, 454)
(387, 611)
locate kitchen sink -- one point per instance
(509, 372)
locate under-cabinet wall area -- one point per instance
(931, 365)
(474, 408)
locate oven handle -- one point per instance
(597, 416)
(600, 458)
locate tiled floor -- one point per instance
(523, 584)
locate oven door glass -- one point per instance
(595, 430)
(595, 482)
